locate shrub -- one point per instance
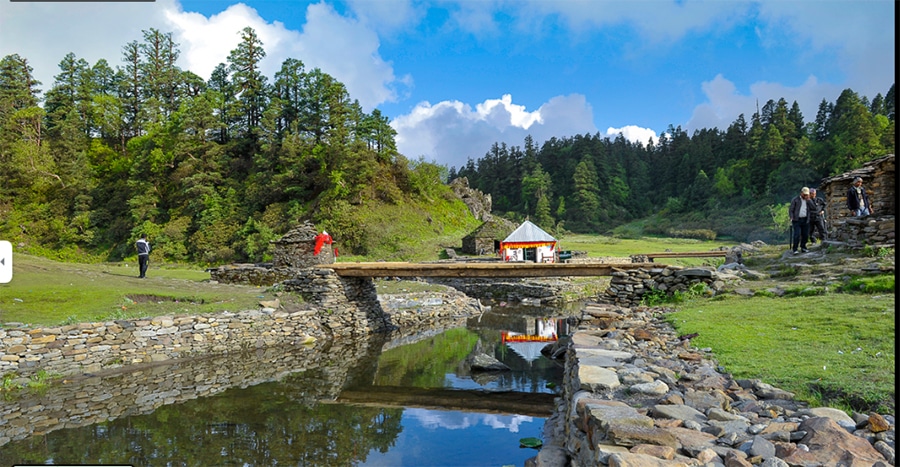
(699, 234)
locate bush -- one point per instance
(699, 234)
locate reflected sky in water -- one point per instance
(437, 438)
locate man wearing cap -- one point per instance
(801, 211)
(858, 199)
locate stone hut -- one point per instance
(296, 248)
(487, 236)
(879, 179)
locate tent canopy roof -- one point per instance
(529, 233)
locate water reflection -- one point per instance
(365, 402)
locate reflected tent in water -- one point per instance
(530, 346)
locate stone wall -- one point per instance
(634, 393)
(337, 308)
(348, 304)
(91, 347)
(132, 367)
(876, 231)
(546, 291)
(86, 400)
(879, 178)
(627, 288)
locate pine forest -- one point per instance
(213, 170)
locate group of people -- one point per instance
(807, 214)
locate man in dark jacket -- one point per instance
(858, 199)
(817, 221)
(143, 251)
(800, 212)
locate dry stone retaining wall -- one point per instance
(91, 347)
(876, 231)
(551, 292)
(338, 308)
(627, 288)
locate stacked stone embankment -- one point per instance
(336, 308)
(628, 287)
(553, 291)
(125, 368)
(635, 394)
(874, 231)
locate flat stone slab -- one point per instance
(607, 416)
(603, 362)
(594, 378)
(613, 354)
(679, 412)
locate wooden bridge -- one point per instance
(496, 269)
(686, 254)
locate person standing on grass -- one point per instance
(800, 212)
(858, 199)
(143, 251)
(817, 222)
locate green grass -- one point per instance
(410, 231)
(832, 349)
(600, 246)
(46, 293)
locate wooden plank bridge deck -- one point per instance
(686, 254)
(480, 269)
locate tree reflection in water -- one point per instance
(260, 425)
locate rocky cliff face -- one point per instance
(479, 203)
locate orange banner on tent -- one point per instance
(525, 244)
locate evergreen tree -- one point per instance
(249, 82)
(586, 208)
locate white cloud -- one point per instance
(863, 34)
(633, 133)
(725, 103)
(431, 419)
(339, 46)
(348, 50)
(44, 33)
(451, 132)
(342, 47)
(207, 42)
(387, 15)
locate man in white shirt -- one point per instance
(801, 211)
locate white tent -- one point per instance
(529, 243)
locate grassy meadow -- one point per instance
(830, 348)
(44, 292)
(834, 349)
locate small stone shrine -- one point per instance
(294, 251)
(296, 248)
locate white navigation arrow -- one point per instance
(6, 270)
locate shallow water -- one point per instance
(370, 403)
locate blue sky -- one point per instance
(456, 76)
